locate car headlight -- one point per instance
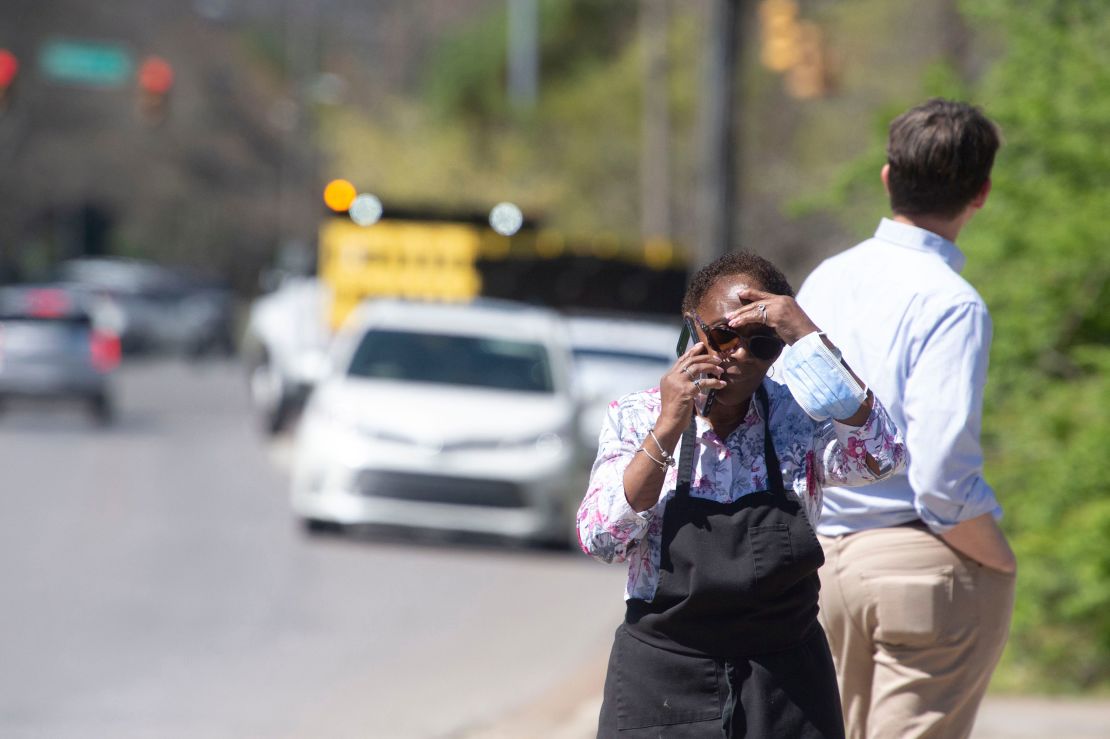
(547, 443)
(335, 418)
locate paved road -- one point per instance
(155, 585)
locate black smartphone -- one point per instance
(687, 337)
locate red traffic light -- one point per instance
(155, 75)
(9, 65)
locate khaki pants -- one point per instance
(915, 629)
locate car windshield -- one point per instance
(503, 364)
(609, 373)
(591, 355)
(22, 334)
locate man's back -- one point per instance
(925, 348)
(917, 587)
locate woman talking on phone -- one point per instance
(708, 487)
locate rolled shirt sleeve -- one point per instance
(943, 405)
(845, 454)
(608, 527)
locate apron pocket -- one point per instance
(783, 554)
(772, 558)
(911, 609)
(660, 688)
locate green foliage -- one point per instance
(466, 76)
(573, 160)
(265, 47)
(1038, 256)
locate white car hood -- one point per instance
(417, 412)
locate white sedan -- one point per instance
(440, 416)
(615, 356)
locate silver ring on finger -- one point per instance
(697, 383)
(762, 313)
(686, 369)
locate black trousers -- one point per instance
(651, 692)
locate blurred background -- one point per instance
(310, 310)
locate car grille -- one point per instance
(437, 489)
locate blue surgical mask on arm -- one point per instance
(819, 382)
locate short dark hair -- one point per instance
(940, 155)
(734, 263)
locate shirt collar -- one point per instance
(912, 237)
(752, 418)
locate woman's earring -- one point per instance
(771, 372)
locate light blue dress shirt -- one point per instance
(919, 335)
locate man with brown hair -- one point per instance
(918, 583)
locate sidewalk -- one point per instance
(570, 712)
(1016, 717)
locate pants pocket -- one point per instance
(911, 609)
(655, 687)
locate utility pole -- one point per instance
(523, 42)
(717, 203)
(298, 166)
(655, 164)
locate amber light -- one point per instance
(339, 194)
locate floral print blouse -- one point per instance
(811, 454)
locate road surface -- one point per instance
(155, 585)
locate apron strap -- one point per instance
(686, 458)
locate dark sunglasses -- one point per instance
(724, 340)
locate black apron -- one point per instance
(730, 642)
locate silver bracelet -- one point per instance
(668, 458)
(663, 464)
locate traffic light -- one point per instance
(9, 67)
(778, 25)
(795, 48)
(339, 194)
(809, 76)
(155, 80)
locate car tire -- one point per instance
(281, 416)
(565, 540)
(101, 409)
(213, 343)
(317, 527)
(271, 400)
(572, 542)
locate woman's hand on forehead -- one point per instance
(730, 303)
(781, 313)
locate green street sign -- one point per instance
(85, 63)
